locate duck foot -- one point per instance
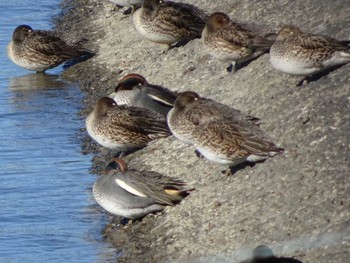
(126, 222)
(231, 68)
(180, 43)
(124, 153)
(237, 65)
(129, 11)
(119, 154)
(232, 170)
(198, 154)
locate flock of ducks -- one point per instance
(139, 112)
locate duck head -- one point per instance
(130, 81)
(21, 32)
(103, 105)
(186, 98)
(287, 31)
(217, 21)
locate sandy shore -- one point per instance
(297, 203)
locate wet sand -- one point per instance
(297, 202)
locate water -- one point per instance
(47, 213)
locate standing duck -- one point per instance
(219, 136)
(232, 42)
(189, 108)
(40, 50)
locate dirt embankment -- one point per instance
(297, 203)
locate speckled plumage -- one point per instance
(218, 132)
(182, 119)
(232, 42)
(40, 50)
(298, 53)
(122, 127)
(167, 22)
(133, 194)
(134, 90)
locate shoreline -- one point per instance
(287, 202)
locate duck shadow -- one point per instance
(181, 43)
(238, 66)
(318, 76)
(233, 169)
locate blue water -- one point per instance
(47, 213)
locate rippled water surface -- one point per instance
(47, 212)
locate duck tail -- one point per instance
(85, 55)
(262, 44)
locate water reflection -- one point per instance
(46, 209)
(46, 202)
(25, 88)
(35, 81)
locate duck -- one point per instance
(168, 23)
(134, 90)
(232, 42)
(133, 194)
(298, 53)
(123, 128)
(40, 50)
(182, 118)
(224, 137)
